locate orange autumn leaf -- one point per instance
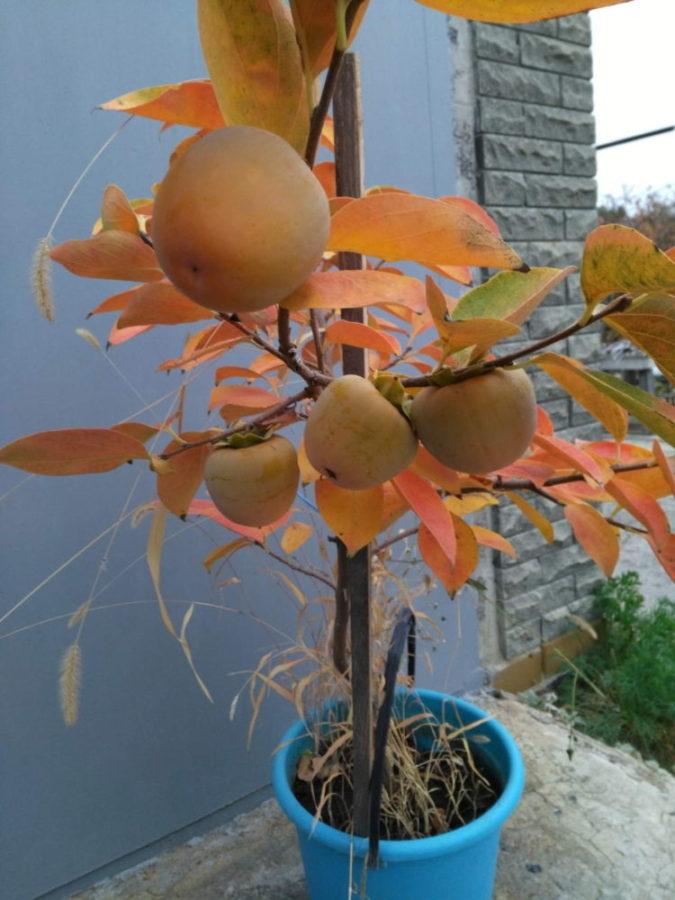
(475, 210)
(179, 481)
(208, 509)
(469, 503)
(514, 11)
(640, 504)
(118, 336)
(138, 430)
(651, 480)
(397, 226)
(315, 23)
(488, 538)
(225, 551)
(356, 334)
(350, 289)
(296, 535)
(110, 254)
(325, 174)
(427, 466)
(393, 506)
(254, 61)
(114, 303)
(191, 103)
(574, 457)
(354, 516)
(72, 451)
(566, 372)
(451, 575)
(160, 304)
(117, 213)
(618, 259)
(308, 474)
(428, 506)
(598, 538)
(666, 464)
(238, 400)
(224, 372)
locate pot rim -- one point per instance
(414, 848)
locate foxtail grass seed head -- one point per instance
(41, 279)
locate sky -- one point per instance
(634, 85)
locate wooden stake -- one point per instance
(354, 572)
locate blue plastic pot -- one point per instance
(458, 865)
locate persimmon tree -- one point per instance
(297, 269)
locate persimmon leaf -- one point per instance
(177, 485)
(354, 516)
(116, 211)
(72, 451)
(160, 304)
(397, 226)
(451, 575)
(295, 536)
(315, 23)
(650, 325)
(428, 506)
(109, 254)
(241, 400)
(191, 103)
(355, 334)
(254, 62)
(541, 523)
(598, 538)
(618, 259)
(514, 11)
(511, 296)
(568, 373)
(350, 289)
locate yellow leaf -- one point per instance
(354, 516)
(510, 296)
(225, 551)
(533, 516)
(308, 474)
(650, 325)
(469, 503)
(567, 373)
(154, 559)
(254, 62)
(293, 588)
(621, 260)
(514, 11)
(297, 534)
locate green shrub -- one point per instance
(623, 689)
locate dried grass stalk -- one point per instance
(41, 278)
(69, 683)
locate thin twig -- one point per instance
(316, 335)
(310, 573)
(242, 429)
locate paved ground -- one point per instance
(601, 827)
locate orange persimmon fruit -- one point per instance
(356, 437)
(478, 425)
(253, 485)
(239, 221)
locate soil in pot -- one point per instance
(427, 791)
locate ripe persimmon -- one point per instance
(253, 485)
(239, 221)
(480, 424)
(356, 437)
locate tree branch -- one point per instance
(521, 484)
(310, 573)
(251, 425)
(481, 368)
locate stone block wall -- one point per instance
(534, 137)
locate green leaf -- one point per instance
(651, 411)
(511, 296)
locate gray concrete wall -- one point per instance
(150, 758)
(532, 131)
